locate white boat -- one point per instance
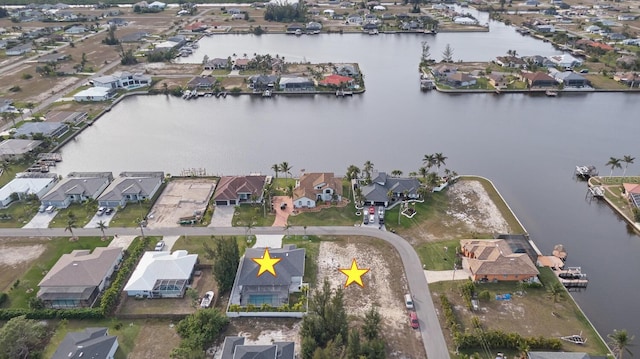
(373, 32)
(551, 93)
(298, 32)
(266, 93)
(207, 299)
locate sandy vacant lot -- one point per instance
(474, 208)
(15, 260)
(181, 198)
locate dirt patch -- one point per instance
(181, 198)
(155, 340)
(15, 260)
(471, 205)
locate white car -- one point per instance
(159, 246)
(101, 211)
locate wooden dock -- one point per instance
(572, 278)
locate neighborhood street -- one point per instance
(430, 329)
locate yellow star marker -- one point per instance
(267, 263)
(354, 274)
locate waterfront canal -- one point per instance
(527, 145)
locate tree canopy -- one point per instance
(225, 262)
(22, 338)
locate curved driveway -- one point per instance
(432, 337)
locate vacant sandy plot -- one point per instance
(181, 198)
(15, 260)
(475, 208)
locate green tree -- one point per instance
(22, 338)
(429, 161)
(556, 292)
(440, 160)
(396, 173)
(225, 262)
(371, 326)
(285, 168)
(111, 36)
(101, 225)
(10, 116)
(447, 54)
(627, 159)
(276, 169)
(200, 329)
(613, 163)
(289, 190)
(620, 342)
(71, 224)
(353, 345)
(367, 169)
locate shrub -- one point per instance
(3, 298)
(15, 89)
(484, 296)
(26, 76)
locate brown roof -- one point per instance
(460, 76)
(311, 184)
(494, 257)
(537, 76)
(229, 186)
(81, 268)
(242, 62)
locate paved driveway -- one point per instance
(41, 220)
(93, 223)
(222, 216)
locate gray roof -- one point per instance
(263, 79)
(81, 267)
(131, 183)
(18, 146)
(218, 61)
(569, 75)
(91, 343)
(375, 192)
(381, 184)
(76, 183)
(45, 128)
(234, 348)
(557, 355)
(292, 264)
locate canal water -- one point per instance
(528, 145)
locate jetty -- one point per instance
(586, 172)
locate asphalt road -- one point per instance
(432, 337)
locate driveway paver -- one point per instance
(93, 223)
(222, 216)
(41, 220)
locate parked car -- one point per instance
(283, 205)
(372, 218)
(101, 211)
(50, 209)
(366, 219)
(413, 319)
(159, 246)
(109, 211)
(42, 208)
(372, 210)
(408, 301)
(380, 211)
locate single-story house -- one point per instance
(77, 187)
(632, 192)
(16, 148)
(77, 29)
(66, 117)
(461, 79)
(237, 17)
(157, 5)
(234, 190)
(162, 275)
(196, 27)
(511, 61)
(443, 70)
(565, 60)
(131, 187)
(117, 21)
(570, 79)
(494, 260)
(166, 45)
(369, 26)
(630, 79)
(241, 64)
(201, 83)
(314, 26)
(262, 82)
(217, 63)
(234, 348)
(560, 355)
(337, 81)
(24, 186)
(135, 37)
(318, 186)
(354, 20)
(78, 278)
(328, 12)
(293, 28)
(498, 80)
(347, 70)
(539, 79)
(545, 29)
(94, 343)
(19, 50)
(94, 94)
(627, 17)
(463, 20)
(249, 288)
(52, 130)
(377, 192)
(122, 79)
(296, 83)
(593, 29)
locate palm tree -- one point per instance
(71, 224)
(613, 163)
(10, 116)
(102, 226)
(368, 167)
(289, 191)
(423, 171)
(396, 173)
(285, 168)
(276, 169)
(627, 159)
(620, 340)
(431, 180)
(429, 161)
(440, 160)
(556, 292)
(352, 172)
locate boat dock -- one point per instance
(53, 157)
(586, 172)
(595, 192)
(572, 278)
(343, 93)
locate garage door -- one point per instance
(221, 203)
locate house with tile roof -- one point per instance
(217, 63)
(494, 261)
(251, 289)
(94, 343)
(77, 278)
(234, 190)
(461, 79)
(162, 275)
(131, 187)
(76, 188)
(314, 187)
(382, 185)
(539, 79)
(632, 192)
(337, 81)
(241, 64)
(235, 348)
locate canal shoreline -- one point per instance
(630, 221)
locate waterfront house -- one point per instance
(94, 343)
(347, 70)
(162, 275)
(16, 148)
(494, 261)
(262, 82)
(241, 64)
(630, 79)
(632, 193)
(46, 129)
(545, 29)
(498, 80)
(565, 61)
(217, 63)
(76, 188)
(464, 20)
(234, 348)
(95, 94)
(570, 78)
(538, 60)
(314, 26)
(354, 20)
(68, 117)
(382, 185)
(131, 187)
(369, 26)
(337, 81)
(295, 28)
(314, 187)
(19, 50)
(296, 83)
(26, 184)
(201, 83)
(249, 288)
(539, 80)
(460, 79)
(234, 190)
(78, 278)
(76, 29)
(122, 79)
(442, 70)
(511, 61)
(196, 27)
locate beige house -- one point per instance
(314, 187)
(493, 260)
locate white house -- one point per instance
(24, 186)
(157, 5)
(122, 79)
(19, 50)
(94, 94)
(463, 20)
(565, 60)
(162, 275)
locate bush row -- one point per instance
(81, 313)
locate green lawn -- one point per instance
(131, 215)
(18, 297)
(194, 244)
(255, 214)
(126, 333)
(83, 212)
(434, 256)
(10, 172)
(333, 216)
(280, 185)
(20, 212)
(312, 249)
(436, 203)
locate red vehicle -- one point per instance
(413, 319)
(372, 210)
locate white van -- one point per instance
(408, 301)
